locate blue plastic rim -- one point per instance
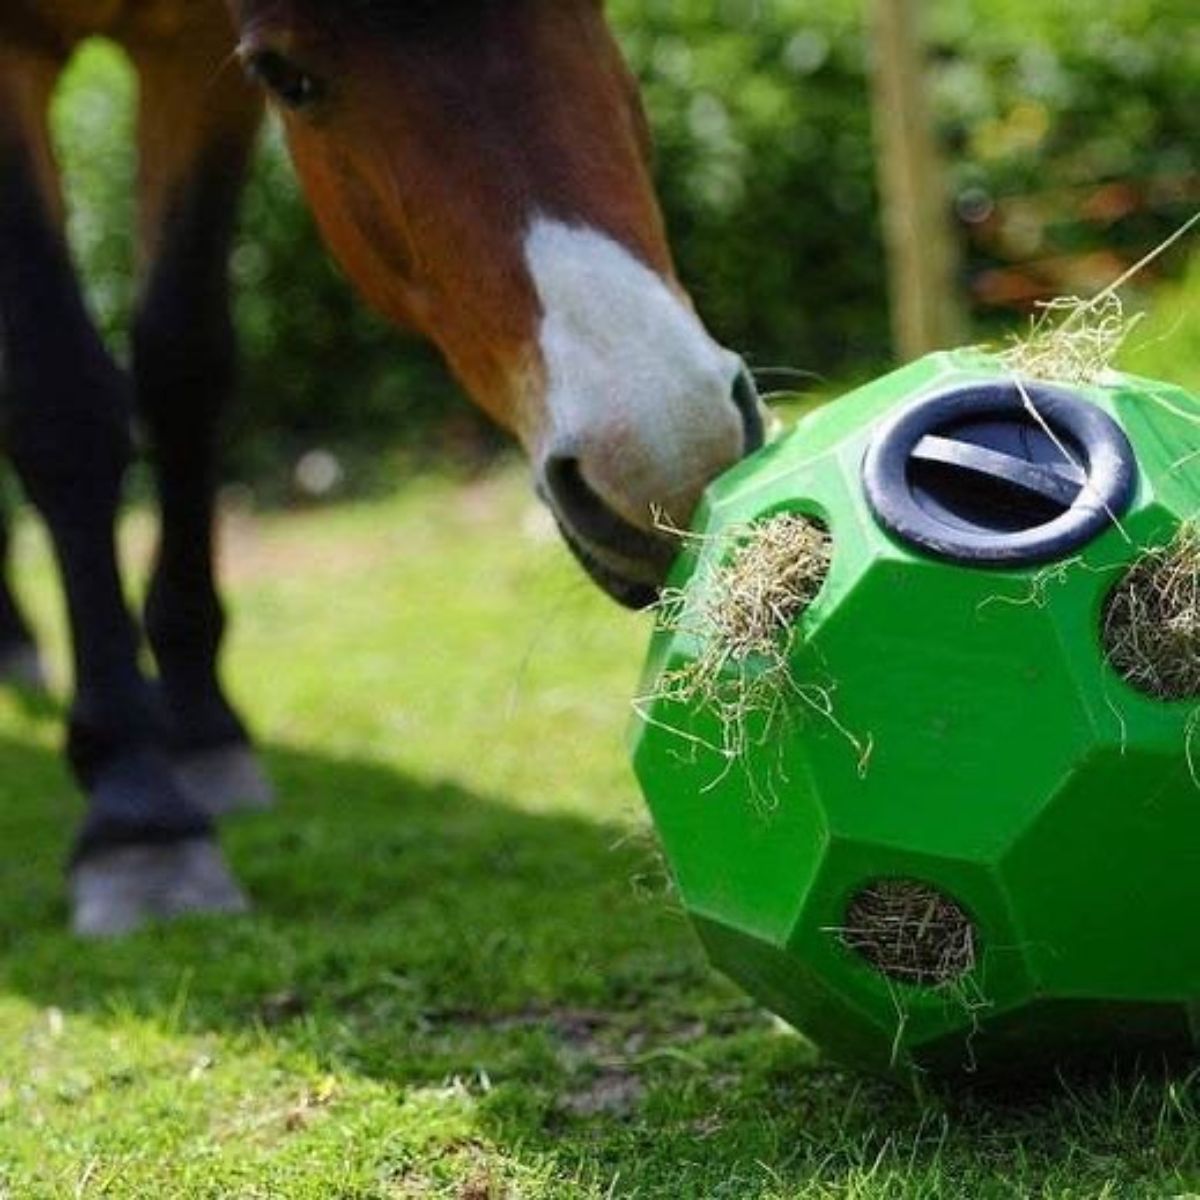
(999, 474)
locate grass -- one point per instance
(465, 976)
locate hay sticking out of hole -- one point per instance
(911, 933)
(774, 573)
(743, 620)
(1072, 341)
(1152, 620)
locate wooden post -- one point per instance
(922, 253)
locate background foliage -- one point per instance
(1070, 130)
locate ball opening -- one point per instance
(911, 933)
(1151, 622)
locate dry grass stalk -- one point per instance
(911, 933)
(743, 621)
(1076, 341)
(1152, 621)
(1072, 341)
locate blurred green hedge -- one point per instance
(766, 169)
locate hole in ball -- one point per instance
(773, 573)
(1151, 623)
(910, 932)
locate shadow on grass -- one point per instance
(417, 934)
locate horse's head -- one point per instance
(480, 168)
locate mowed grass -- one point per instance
(465, 976)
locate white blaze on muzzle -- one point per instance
(636, 391)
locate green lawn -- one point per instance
(465, 976)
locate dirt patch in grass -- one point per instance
(612, 1093)
(578, 1027)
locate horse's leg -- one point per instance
(144, 848)
(198, 121)
(20, 662)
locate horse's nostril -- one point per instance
(590, 518)
(745, 399)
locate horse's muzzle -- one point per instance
(629, 562)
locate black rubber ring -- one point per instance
(1109, 463)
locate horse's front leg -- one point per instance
(145, 849)
(197, 125)
(20, 660)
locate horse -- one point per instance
(480, 169)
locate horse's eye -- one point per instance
(290, 84)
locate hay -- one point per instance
(911, 933)
(1076, 341)
(774, 572)
(743, 621)
(1152, 620)
(1071, 341)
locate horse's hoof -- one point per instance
(118, 891)
(224, 780)
(21, 666)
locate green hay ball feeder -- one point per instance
(951, 835)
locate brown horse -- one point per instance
(479, 168)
